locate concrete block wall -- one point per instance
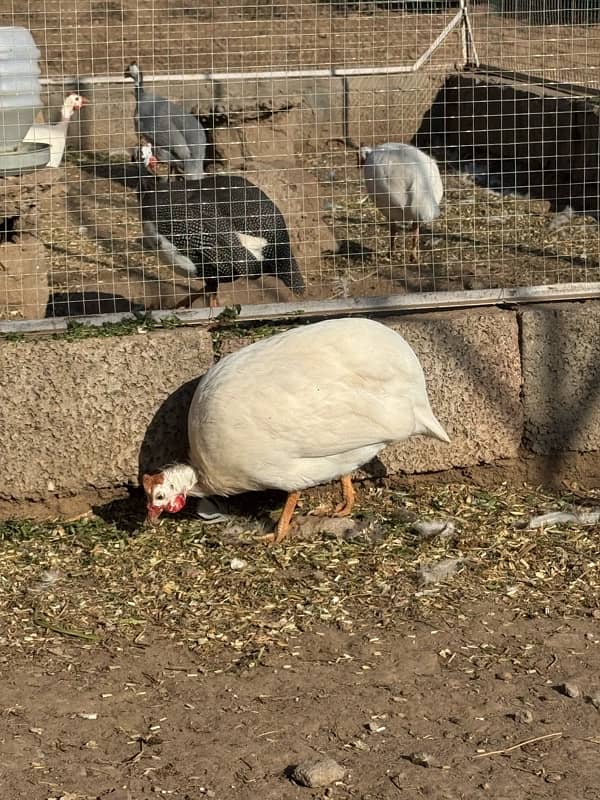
(93, 413)
(82, 414)
(561, 378)
(472, 364)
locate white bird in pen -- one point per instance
(56, 134)
(405, 185)
(304, 407)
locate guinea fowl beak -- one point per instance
(153, 513)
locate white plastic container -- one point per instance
(20, 88)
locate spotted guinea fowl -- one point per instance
(177, 136)
(55, 134)
(218, 229)
(405, 185)
(301, 408)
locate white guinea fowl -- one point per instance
(56, 134)
(301, 408)
(405, 185)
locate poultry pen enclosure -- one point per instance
(286, 94)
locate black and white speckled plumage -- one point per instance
(207, 224)
(177, 136)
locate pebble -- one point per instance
(504, 676)
(569, 689)
(421, 759)
(594, 699)
(523, 716)
(553, 777)
(318, 773)
(375, 727)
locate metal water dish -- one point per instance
(27, 156)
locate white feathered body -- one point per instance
(305, 407)
(53, 134)
(403, 182)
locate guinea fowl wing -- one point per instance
(194, 226)
(253, 213)
(155, 120)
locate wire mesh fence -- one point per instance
(273, 205)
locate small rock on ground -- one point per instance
(569, 689)
(523, 716)
(421, 759)
(594, 699)
(318, 773)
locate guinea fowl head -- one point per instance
(168, 490)
(73, 102)
(134, 72)
(148, 157)
(363, 152)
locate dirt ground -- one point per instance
(191, 661)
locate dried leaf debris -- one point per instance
(92, 580)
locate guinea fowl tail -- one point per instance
(433, 428)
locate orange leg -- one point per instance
(283, 526)
(189, 301)
(345, 508)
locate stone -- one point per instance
(523, 716)
(569, 689)
(421, 759)
(318, 773)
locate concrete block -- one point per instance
(472, 367)
(92, 413)
(561, 377)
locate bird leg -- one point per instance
(414, 250)
(344, 509)
(283, 526)
(191, 299)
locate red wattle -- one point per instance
(176, 505)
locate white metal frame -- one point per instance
(389, 304)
